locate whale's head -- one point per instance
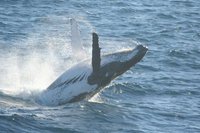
(113, 65)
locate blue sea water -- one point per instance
(161, 94)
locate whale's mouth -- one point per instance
(135, 56)
(141, 51)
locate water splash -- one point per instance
(31, 65)
(96, 99)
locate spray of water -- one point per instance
(31, 65)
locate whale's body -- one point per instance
(88, 77)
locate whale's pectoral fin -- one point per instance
(77, 46)
(96, 55)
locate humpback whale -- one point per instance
(89, 77)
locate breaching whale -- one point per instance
(88, 77)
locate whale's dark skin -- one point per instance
(103, 75)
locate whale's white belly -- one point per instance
(69, 85)
(64, 94)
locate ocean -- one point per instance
(161, 94)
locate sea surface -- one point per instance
(161, 94)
